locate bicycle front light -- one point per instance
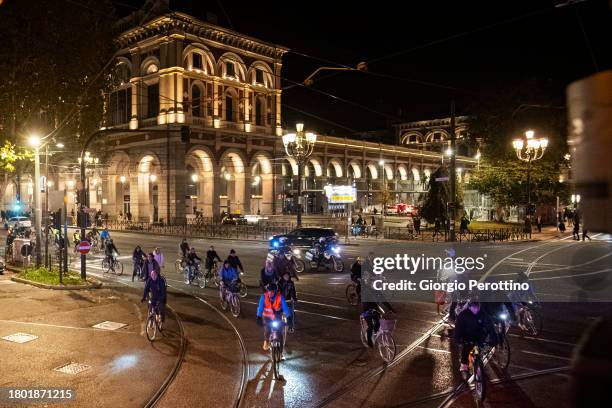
(336, 249)
(503, 316)
(275, 324)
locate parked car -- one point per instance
(234, 219)
(17, 222)
(304, 237)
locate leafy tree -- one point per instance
(434, 201)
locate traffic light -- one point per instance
(185, 134)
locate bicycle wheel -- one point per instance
(351, 295)
(275, 352)
(480, 380)
(364, 334)
(532, 320)
(105, 265)
(201, 280)
(224, 303)
(243, 290)
(502, 353)
(186, 277)
(118, 268)
(235, 305)
(160, 323)
(299, 265)
(386, 346)
(338, 264)
(178, 265)
(151, 328)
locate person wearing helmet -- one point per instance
(473, 327)
(271, 307)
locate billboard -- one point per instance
(341, 194)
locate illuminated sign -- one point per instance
(340, 194)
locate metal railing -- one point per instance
(475, 235)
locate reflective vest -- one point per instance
(270, 308)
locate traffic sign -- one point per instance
(84, 247)
(446, 178)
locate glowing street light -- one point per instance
(153, 178)
(194, 177)
(35, 142)
(122, 179)
(299, 146)
(528, 150)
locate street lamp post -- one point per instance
(528, 150)
(35, 143)
(300, 146)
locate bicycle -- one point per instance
(276, 345)
(139, 270)
(179, 264)
(530, 319)
(190, 274)
(501, 353)
(114, 265)
(382, 339)
(477, 373)
(352, 294)
(154, 322)
(229, 297)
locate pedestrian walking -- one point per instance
(436, 229)
(417, 224)
(576, 230)
(585, 234)
(539, 223)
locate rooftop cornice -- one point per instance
(166, 24)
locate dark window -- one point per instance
(152, 100)
(120, 107)
(195, 101)
(197, 61)
(229, 108)
(258, 112)
(259, 76)
(229, 69)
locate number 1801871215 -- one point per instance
(36, 394)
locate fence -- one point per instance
(477, 235)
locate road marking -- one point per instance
(563, 343)
(59, 326)
(581, 275)
(20, 338)
(434, 349)
(546, 355)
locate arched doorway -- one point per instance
(261, 185)
(200, 181)
(232, 179)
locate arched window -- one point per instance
(151, 69)
(259, 112)
(229, 108)
(196, 101)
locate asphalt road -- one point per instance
(326, 364)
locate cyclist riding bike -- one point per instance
(138, 258)
(472, 327)
(104, 236)
(184, 247)
(356, 274)
(268, 275)
(229, 277)
(272, 306)
(372, 312)
(156, 286)
(192, 261)
(235, 261)
(287, 289)
(110, 251)
(211, 255)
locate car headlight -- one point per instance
(271, 238)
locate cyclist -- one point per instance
(151, 266)
(211, 255)
(287, 289)
(473, 327)
(271, 305)
(229, 275)
(157, 287)
(268, 275)
(192, 259)
(104, 236)
(159, 257)
(184, 247)
(235, 261)
(110, 251)
(356, 274)
(372, 312)
(138, 257)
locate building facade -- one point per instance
(176, 71)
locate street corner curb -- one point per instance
(94, 284)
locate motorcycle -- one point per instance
(292, 257)
(330, 258)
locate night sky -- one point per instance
(420, 55)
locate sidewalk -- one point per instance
(122, 369)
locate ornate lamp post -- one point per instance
(299, 145)
(528, 150)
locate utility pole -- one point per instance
(453, 174)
